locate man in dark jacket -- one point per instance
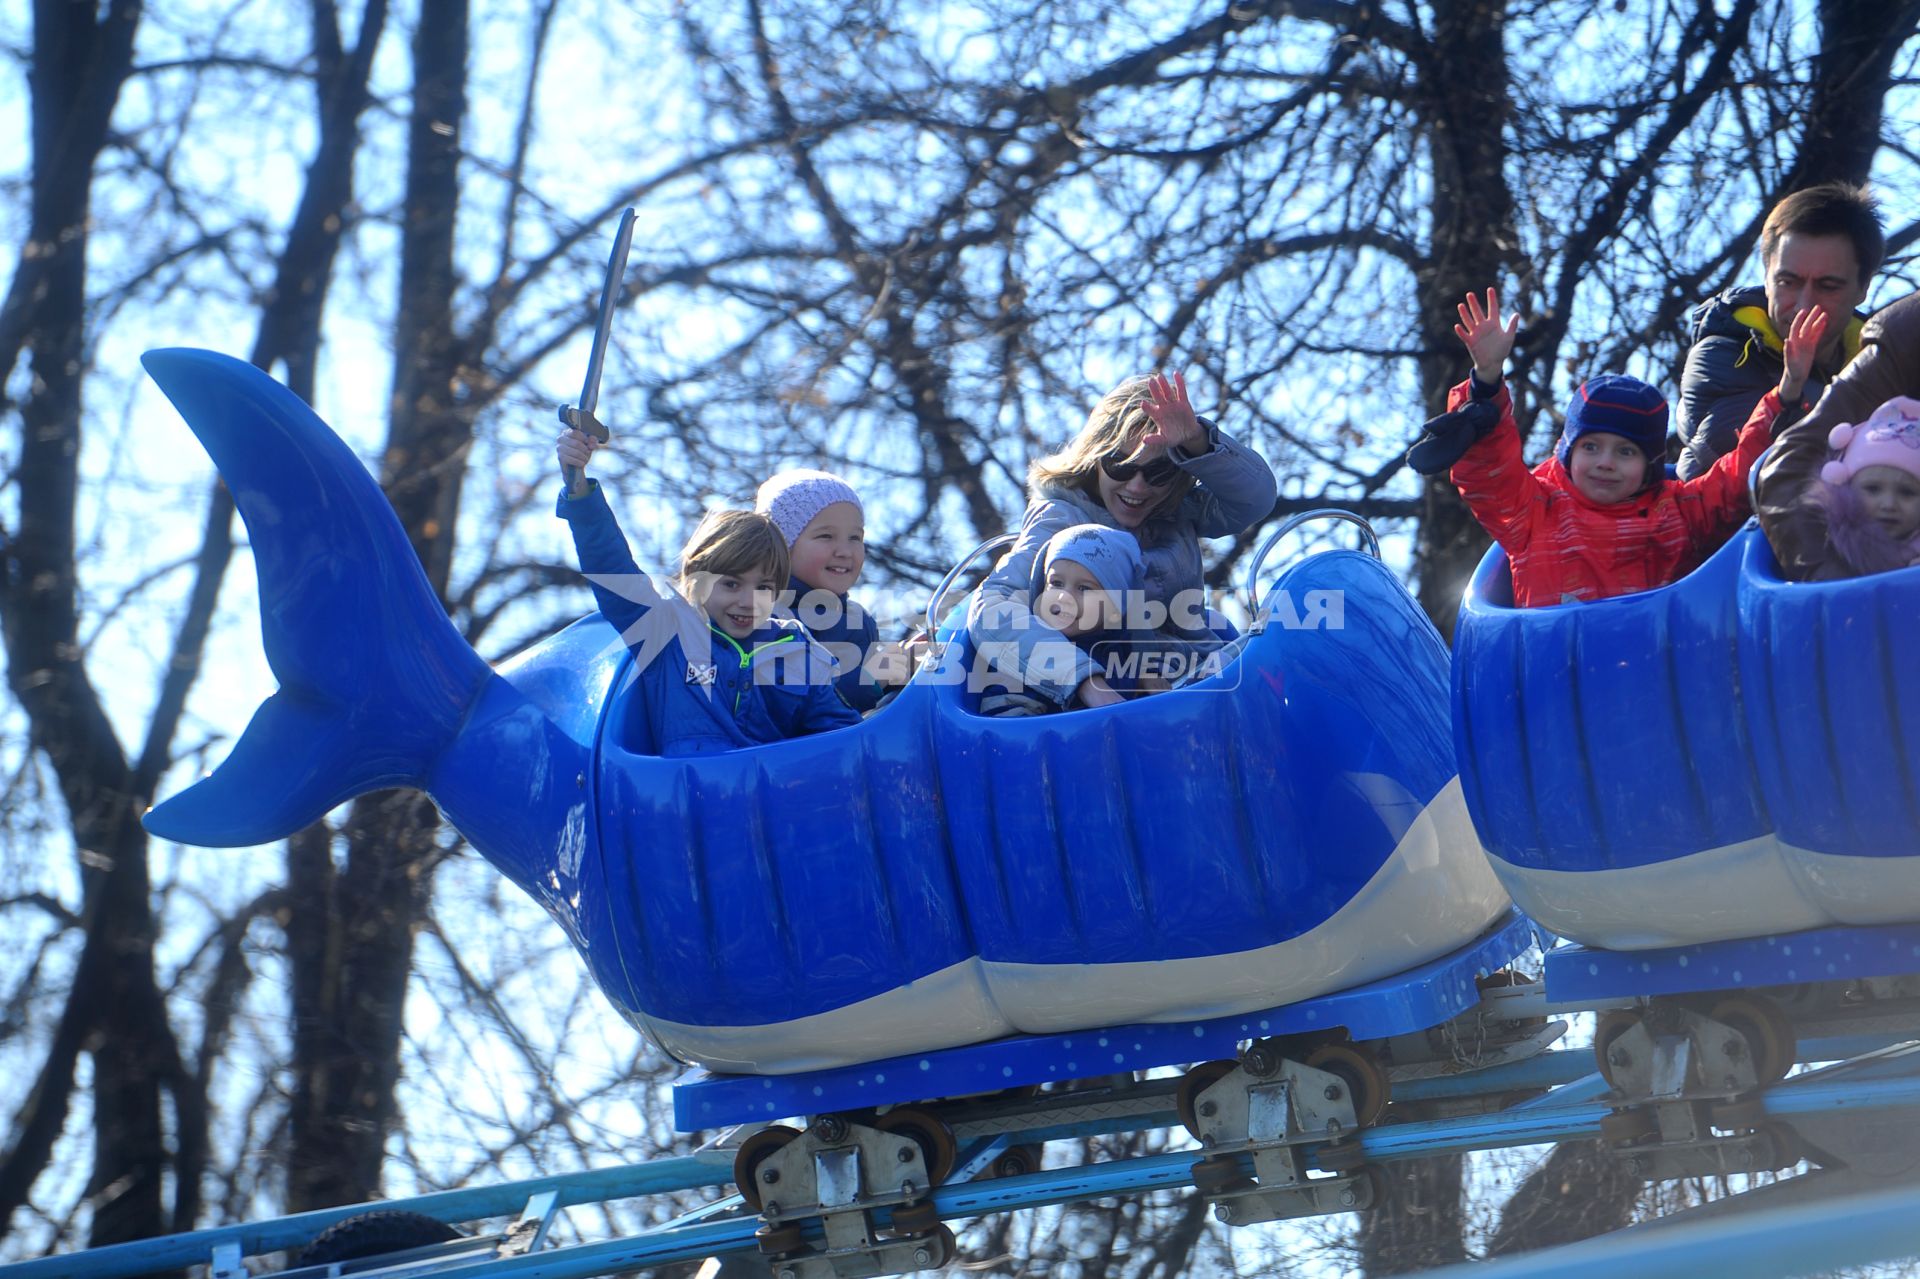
(1820, 248)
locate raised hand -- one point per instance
(575, 448)
(1174, 421)
(1488, 341)
(1797, 352)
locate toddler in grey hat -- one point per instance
(1089, 575)
(1087, 572)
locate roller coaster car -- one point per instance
(1729, 756)
(928, 878)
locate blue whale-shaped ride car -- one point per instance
(1289, 826)
(1729, 756)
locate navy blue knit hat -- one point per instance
(1618, 405)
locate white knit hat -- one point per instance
(792, 498)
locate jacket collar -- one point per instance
(1755, 317)
(774, 632)
(799, 589)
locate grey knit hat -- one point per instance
(792, 498)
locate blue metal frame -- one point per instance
(1804, 1239)
(1899, 1086)
(170, 1252)
(1576, 974)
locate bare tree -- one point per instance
(114, 1008)
(911, 245)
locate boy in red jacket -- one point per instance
(1598, 518)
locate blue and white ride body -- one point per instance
(1724, 757)
(928, 878)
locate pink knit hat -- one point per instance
(1891, 437)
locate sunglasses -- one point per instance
(1159, 472)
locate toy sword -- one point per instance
(580, 417)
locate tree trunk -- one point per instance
(1465, 104)
(1419, 1220)
(80, 59)
(1580, 1190)
(354, 951)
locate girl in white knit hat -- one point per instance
(826, 530)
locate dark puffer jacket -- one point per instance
(1734, 359)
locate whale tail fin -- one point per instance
(374, 679)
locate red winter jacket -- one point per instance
(1566, 547)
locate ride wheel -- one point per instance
(779, 1241)
(1768, 1032)
(1196, 1081)
(1360, 1070)
(935, 1139)
(1790, 1146)
(916, 1220)
(1341, 1156)
(1016, 1161)
(374, 1234)
(1376, 1192)
(1220, 1173)
(1743, 1116)
(1613, 1024)
(753, 1152)
(940, 1247)
(1624, 1127)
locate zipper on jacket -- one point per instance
(746, 658)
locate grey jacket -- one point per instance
(1888, 365)
(1234, 489)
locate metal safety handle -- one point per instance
(1367, 536)
(993, 543)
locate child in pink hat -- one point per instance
(1870, 493)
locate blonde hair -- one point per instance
(730, 543)
(1117, 423)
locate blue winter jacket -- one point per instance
(702, 691)
(845, 630)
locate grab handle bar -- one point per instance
(1292, 522)
(934, 600)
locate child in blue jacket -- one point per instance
(718, 670)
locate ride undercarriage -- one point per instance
(1793, 1054)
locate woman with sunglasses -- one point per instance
(1146, 464)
